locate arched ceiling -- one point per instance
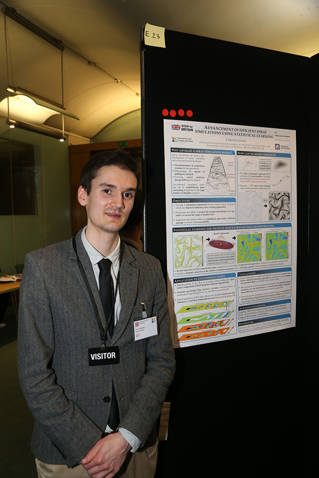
(101, 65)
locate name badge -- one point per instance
(104, 356)
(145, 328)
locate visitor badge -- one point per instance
(104, 355)
(145, 328)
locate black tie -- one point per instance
(107, 298)
(106, 293)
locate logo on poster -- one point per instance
(186, 127)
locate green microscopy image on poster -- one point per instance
(276, 246)
(188, 251)
(249, 247)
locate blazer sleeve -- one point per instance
(145, 407)
(70, 430)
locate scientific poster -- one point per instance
(231, 229)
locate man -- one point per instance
(95, 377)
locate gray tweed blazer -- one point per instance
(67, 397)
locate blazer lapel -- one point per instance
(128, 291)
(86, 263)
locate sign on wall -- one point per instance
(231, 229)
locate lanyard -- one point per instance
(103, 332)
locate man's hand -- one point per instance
(107, 456)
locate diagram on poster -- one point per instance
(188, 251)
(231, 229)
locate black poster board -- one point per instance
(237, 406)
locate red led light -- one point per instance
(189, 113)
(172, 113)
(165, 112)
(181, 112)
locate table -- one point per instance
(9, 286)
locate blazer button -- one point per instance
(106, 399)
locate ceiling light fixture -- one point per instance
(40, 101)
(17, 90)
(23, 107)
(51, 132)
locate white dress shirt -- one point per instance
(95, 257)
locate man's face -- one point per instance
(110, 200)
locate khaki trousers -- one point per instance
(141, 464)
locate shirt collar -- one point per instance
(94, 255)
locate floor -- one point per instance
(15, 420)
